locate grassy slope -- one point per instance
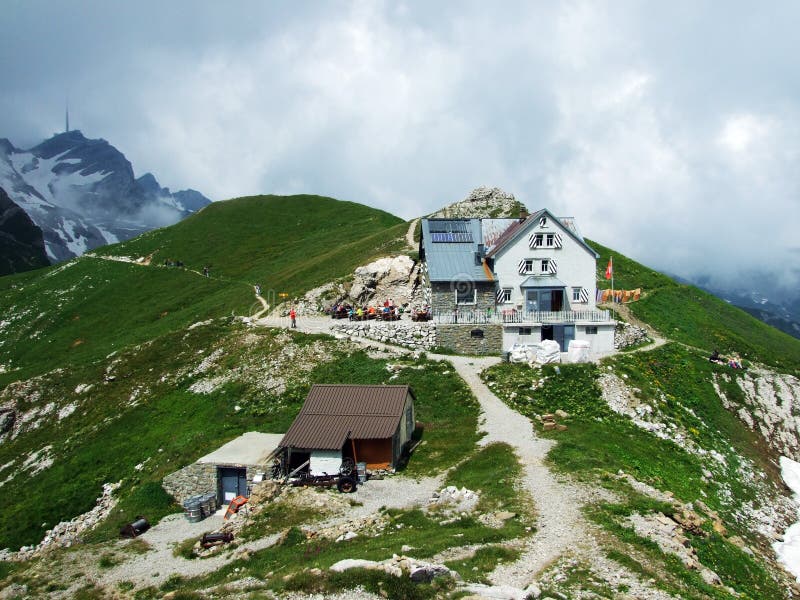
(285, 243)
(81, 311)
(66, 325)
(687, 314)
(677, 384)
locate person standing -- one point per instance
(293, 317)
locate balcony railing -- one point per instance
(468, 317)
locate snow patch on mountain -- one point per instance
(82, 194)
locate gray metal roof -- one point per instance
(331, 412)
(453, 261)
(548, 281)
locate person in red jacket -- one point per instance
(293, 317)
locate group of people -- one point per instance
(388, 312)
(734, 362)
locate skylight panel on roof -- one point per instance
(458, 232)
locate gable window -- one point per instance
(504, 295)
(545, 240)
(543, 222)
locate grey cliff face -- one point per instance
(82, 193)
(21, 242)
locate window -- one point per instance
(591, 330)
(576, 294)
(524, 331)
(525, 266)
(543, 222)
(545, 265)
(550, 239)
(504, 295)
(537, 240)
(465, 294)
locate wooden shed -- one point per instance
(369, 424)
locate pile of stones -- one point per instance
(68, 533)
(626, 335)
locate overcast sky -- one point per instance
(670, 130)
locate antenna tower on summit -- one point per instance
(67, 115)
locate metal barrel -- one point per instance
(362, 471)
(194, 512)
(208, 504)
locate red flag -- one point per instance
(610, 269)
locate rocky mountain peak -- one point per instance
(483, 202)
(82, 193)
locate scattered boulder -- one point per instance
(353, 563)
(418, 571)
(454, 500)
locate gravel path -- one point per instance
(410, 234)
(158, 564)
(559, 520)
(562, 531)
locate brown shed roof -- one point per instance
(331, 412)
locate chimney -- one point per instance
(479, 254)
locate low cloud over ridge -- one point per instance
(670, 132)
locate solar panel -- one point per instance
(458, 232)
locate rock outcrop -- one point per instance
(483, 202)
(394, 277)
(770, 407)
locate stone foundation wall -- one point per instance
(443, 298)
(195, 479)
(417, 336)
(459, 338)
(201, 478)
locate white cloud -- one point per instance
(670, 131)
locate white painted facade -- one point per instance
(544, 268)
(570, 261)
